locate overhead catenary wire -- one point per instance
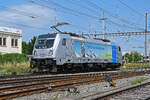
(82, 6)
(19, 12)
(24, 13)
(121, 25)
(50, 1)
(71, 10)
(77, 13)
(22, 25)
(127, 26)
(92, 4)
(132, 9)
(40, 4)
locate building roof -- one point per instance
(10, 31)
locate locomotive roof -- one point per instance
(53, 35)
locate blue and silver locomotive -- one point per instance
(62, 51)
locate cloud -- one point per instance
(32, 15)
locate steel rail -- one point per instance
(46, 82)
(42, 78)
(108, 95)
(68, 82)
(50, 88)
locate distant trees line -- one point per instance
(27, 47)
(134, 57)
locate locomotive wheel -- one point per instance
(54, 69)
(32, 66)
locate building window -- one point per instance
(4, 41)
(16, 42)
(0, 41)
(12, 42)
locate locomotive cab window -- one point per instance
(64, 42)
(44, 43)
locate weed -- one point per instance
(139, 80)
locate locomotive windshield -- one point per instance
(44, 43)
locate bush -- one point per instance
(12, 58)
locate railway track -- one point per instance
(28, 86)
(33, 78)
(139, 91)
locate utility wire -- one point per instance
(135, 11)
(77, 12)
(110, 20)
(120, 25)
(71, 10)
(124, 26)
(82, 6)
(73, 25)
(22, 25)
(42, 5)
(20, 12)
(110, 14)
(50, 1)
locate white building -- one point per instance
(10, 40)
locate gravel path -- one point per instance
(83, 92)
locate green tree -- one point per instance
(137, 57)
(31, 45)
(134, 56)
(24, 47)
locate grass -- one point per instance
(133, 66)
(137, 64)
(19, 68)
(12, 58)
(13, 63)
(139, 80)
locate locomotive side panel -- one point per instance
(77, 48)
(114, 54)
(97, 51)
(92, 53)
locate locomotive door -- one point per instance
(67, 52)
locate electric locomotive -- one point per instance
(63, 52)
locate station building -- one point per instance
(10, 40)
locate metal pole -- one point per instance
(95, 34)
(145, 35)
(103, 21)
(149, 51)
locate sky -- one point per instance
(35, 17)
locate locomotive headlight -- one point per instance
(50, 52)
